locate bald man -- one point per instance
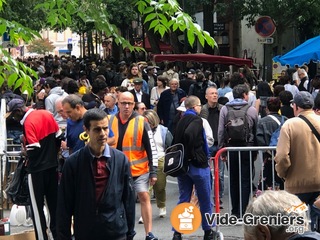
(135, 139)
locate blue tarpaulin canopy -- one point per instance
(303, 54)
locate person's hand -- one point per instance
(64, 145)
(41, 95)
(153, 181)
(131, 236)
(224, 158)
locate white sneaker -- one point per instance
(162, 212)
(28, 223)
(140, 220)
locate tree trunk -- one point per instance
(153, 39)
(175, 44)
(208, 25)
(84, 44)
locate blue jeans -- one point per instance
(15, 135)
(200, 178)
(212, 151)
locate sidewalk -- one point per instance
(16, 229)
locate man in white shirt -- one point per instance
(236, 79)
(139, 95)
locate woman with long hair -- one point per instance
(156, 91)
(133, 73)
(163, 139)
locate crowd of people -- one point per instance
(95, 135)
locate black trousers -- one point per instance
(240, 175)
(43, 186)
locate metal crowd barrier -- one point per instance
(12, 156)
(239, 150)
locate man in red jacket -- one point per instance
(42, 142)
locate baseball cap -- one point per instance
(303, 99)
(137, 81)
(14, 105)
(182, 107)
(151, 67)
(51, 82)
(40, 81)
(191, 71)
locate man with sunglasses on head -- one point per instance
(298, 150)
(135, 139)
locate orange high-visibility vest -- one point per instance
(132, 145)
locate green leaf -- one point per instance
(23, 75)
(154, 23)
(150, 17)
(210, 41)
(175, 26)
(162, 30)
(201, 39)
(59, 3)
(148, 10)
(52, 4)
(1, 80)
(170, 23)
(12, 78)
(3, 28)
(22, 66)
(18, 83)
(156, 28)
(33, 73)
(191, 37)
(141, 6)
(13, 62)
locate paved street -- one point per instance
(162, 226)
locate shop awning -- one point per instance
(164, 47)
(202, 57)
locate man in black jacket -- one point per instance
(138, 94)
(96, 188)
(191, 134)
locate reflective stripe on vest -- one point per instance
(132, 145)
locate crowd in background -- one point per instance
(68, 86)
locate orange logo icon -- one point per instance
(185, 218)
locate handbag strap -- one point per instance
(313, 129)
(275, 119)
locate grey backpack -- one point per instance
(237, 126)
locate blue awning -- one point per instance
(64, 51)
(303, 54)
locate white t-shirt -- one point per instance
(291, 88)
(251, 101)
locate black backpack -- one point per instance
(237, 126)
(18, 188)
(174, 162)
